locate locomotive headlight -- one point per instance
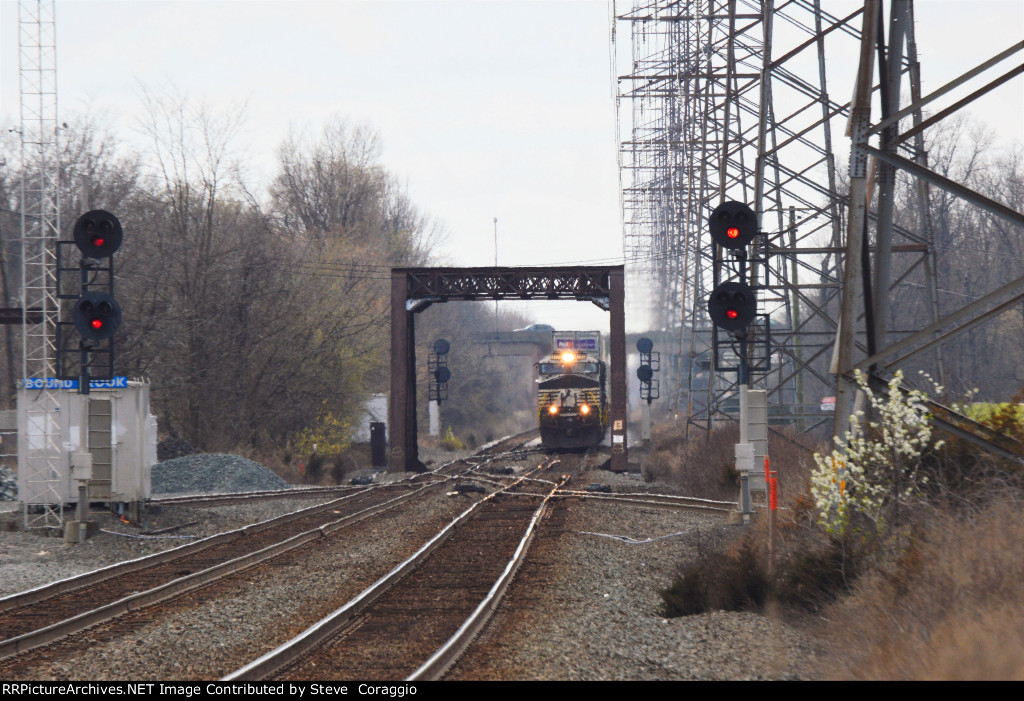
(584, 409)
(568, 357)
(553, 409)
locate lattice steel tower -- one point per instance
(40, 224)
(729, 100)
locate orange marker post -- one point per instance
(769, 482)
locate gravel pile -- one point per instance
(213, 473)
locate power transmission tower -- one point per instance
(868, 281)
(730, 100)
(40, 226)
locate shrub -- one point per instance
(687, 595)
(450, 442)
(812, 575)
(734, 579)
(330, 434)
(877, 465)
(314, 468)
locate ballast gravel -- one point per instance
(212, 472)
(596, 617)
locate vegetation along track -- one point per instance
(39, 616)
(415, 621)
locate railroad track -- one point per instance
(200, 500)
(415, 621)
(657, 501)
(39, 616)
(489, 543)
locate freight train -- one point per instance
(572, 395)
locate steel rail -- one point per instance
(663, 501)
(120, 569)
(439, 663)
(299, 492)
(47, 634)
(233, 497)
(287, 654)
(652, 495)
(187, 583)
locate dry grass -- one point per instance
(705, 465)
(951, 606)
(940, 597)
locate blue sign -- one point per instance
(579, 343)
(54, 383)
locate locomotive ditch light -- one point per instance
(584, 409)
(553, 409)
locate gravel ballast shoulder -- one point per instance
(598, 616)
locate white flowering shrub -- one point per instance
(876, 464)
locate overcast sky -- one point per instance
(485, 109)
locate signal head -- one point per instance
(442, 375)
(732, 306)
(98, 234)
(96, 316)
(644, 373)
(733, 225)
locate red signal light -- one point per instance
(96, 323)
(98, 234)
(732, 232)
(732, 313)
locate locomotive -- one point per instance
(572, 397)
